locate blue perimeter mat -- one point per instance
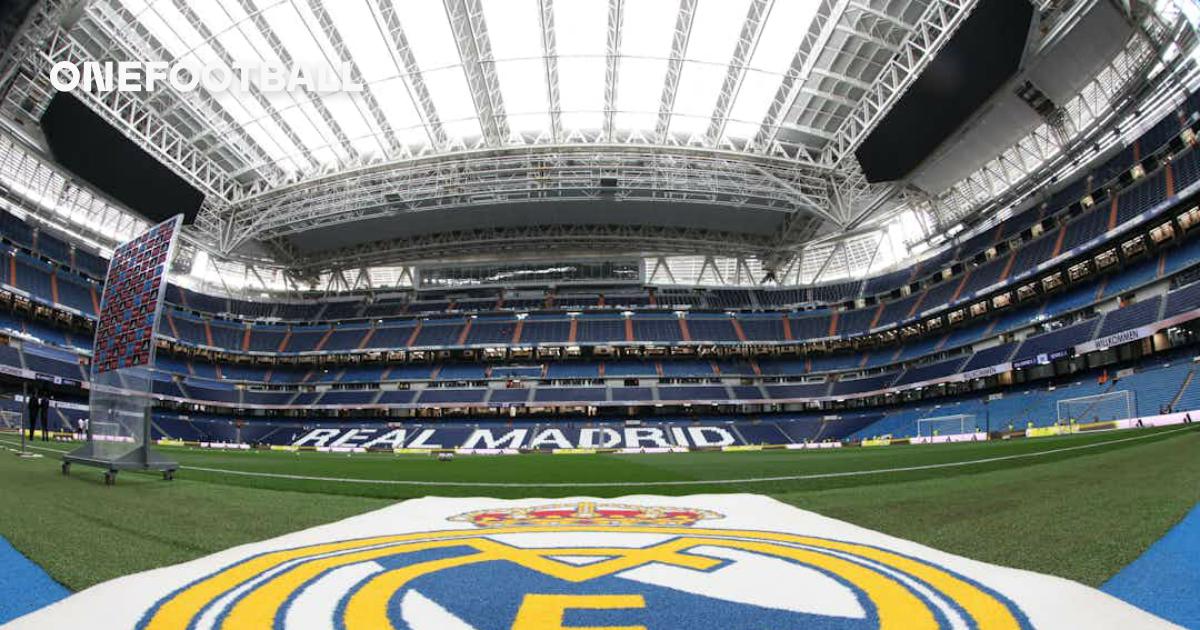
(24, 586)
(1164, 580)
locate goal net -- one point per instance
(10, 419)
(1116, 405)
(957, 424)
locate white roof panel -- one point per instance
(407, 91)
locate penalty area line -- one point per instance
(666, 483)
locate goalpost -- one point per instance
(957, 424)
(11, 420)
(1116, 405)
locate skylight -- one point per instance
(416, 97)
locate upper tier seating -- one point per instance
(931, 371)
(862, 385)
(990, 356)
(1054, 341)
(50, 284)
(549, 331)
(498, 331)
(719, 328)
(1131, 316)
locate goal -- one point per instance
(957, 424)
(10, 419)
(1116, 405)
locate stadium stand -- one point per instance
(744, 344)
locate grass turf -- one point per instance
(1081, 513)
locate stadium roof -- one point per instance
(655, 126)
(762, 98)
(448, 75)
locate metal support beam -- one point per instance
(842, 78)
(281, 51)
(132, 41)
(550, 57)
(475, 47)
(563, 240)
(829, 96)
(827, 17)
(30, 37)
(534, 174)
(880, 14)
(391, 145)
(679, 46)
(806, 129)
(298, 151)
(616, 15)
(406, 64)
(743, 51)
(806, 201)
(868, 37)
(929, 35)
(127, 113)
(1104, 102)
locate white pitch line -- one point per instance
(688, 482)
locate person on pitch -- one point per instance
(43, 415)
(43, 409)
(31, 411)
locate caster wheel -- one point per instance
(110, 478)
(66, 468)
(168, 475)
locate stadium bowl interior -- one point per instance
(705, 246)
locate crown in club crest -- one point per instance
(587, 513)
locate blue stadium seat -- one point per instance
(931, 371)
(438, 334)
(988, 357)
(762, 328)
(855, 322)
(862, 385)
(346, 337)
(569, 394)
(704, 329)
(1054, 341)
(547, 331)
(887, 282)
(802, 390)
(1132, 276)
(685, 369)
(1131, 316)
(630, 368)
(692, 392)
(461, 372)
(305, 338)
(665, 329)
(600, 330)
(1086, 227)
(572, 370)
(809, 326)
(451, 395)
(492, 332)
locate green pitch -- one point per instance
(1080, 507)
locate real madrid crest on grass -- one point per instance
(711, 561)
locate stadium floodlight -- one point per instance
(1109, 406)
(955, 424)
(120, 399)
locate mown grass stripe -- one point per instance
(675, 483)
